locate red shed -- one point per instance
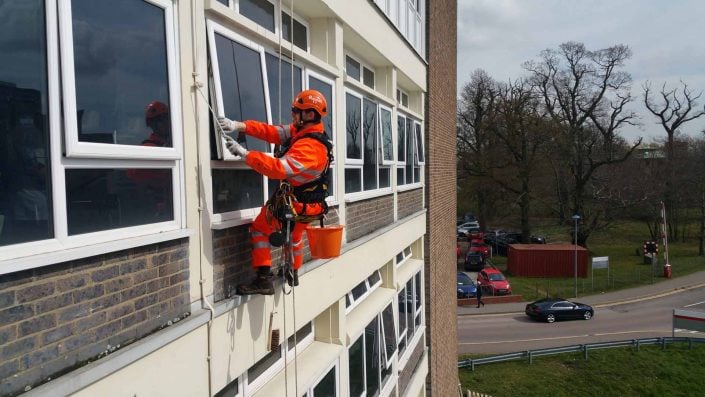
(546, 260)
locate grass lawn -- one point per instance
(675, 371)
(619, 243)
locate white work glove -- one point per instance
(234, 147)
(231, 125)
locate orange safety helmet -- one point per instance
(311, 100)
(155, 109)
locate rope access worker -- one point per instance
(302, 164)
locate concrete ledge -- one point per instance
(488, 300)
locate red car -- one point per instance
(480, 247)
(493, 282)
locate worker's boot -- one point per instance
(263, 284)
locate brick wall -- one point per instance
(441, 197)
(56, 318)
(366, 216)
(410, 367)
(409, 202)
(232, 257)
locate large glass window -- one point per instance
(369, 120)
(120, 67)
(410, 150)
(281, 109)
(410, 311)
(356, 365)
(370, 356)
(25, 178)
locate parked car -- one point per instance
(466, 287)
(468, 227)
(494, 282)
(552, 309)
(474, 262)
(479, 246)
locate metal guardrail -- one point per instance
(584, 348)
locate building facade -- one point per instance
(124, 223)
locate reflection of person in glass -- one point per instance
(156, 181)
(303, 165)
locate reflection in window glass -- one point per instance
(401, 296)
(242, 85)
(281, 110)
(327, 91)
(369, 169)
(300, 39)
(359, 290)
(374, 278)
(372, 358)
(352, 180)
(260, 11)
(353, 127)
(120, 66)
(409, 150)
(235, 189)
(385, 177)
(401, 131)
(410, 307)
(352, 68)
(104, 199)
(226, 2)
(327, 386)
(419, 144)
(356, 368)
(386, 132)
(390, 336)
(25, 178)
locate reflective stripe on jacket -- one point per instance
(304, 162)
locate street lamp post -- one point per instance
(576, 218)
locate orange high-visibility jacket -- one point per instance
(304, 162)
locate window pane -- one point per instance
(409, 307)
(417, 174)
(120, 66)
(327, 386)
(401, 141)
(230, 390)
(359, 290)
(368, 77)
(327, 91)
(400, 176)
(352, 180)
(263, 364)
(390, 335)
(300, 39)
(401, 296)
(299, 335)
(384, 177)
(260, 11)
(286, 26)
(281, 110)
(352, 68)
(419, 144)
(236, 190)
(103, 199)
(369, 169)
(409, 150)
(372, 363)
(357, 368)
(374, 278)
(386, 132)
(25, 178)
(226, 2)
(242, 85)
(353, 121)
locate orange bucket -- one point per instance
(325, 241)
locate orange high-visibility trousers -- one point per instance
(260, 230)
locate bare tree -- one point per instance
(585, 93)
(673, 109)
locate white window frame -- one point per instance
(308, 73)
(416, 167)
(77, 149)
(228, 161)
(318, 380)
(297, 17)
(392, 161)
(401, 94)
(62, 247)
(369, 289)
(405, 255)
(353, 161)
(411, 330)
(363, 66)
(236, 5)
(419, 140)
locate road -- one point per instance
(504, 333)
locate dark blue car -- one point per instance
(466, 287)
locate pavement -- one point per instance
(661, 288)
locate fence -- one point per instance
(585, 348)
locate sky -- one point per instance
(667, 39)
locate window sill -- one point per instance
(359, 196)
(411, 186)
(62, 254)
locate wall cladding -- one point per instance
(366, 216)
(58, 317)
(441, 197)
(410, 368)
(232, 257)
(409, 202)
